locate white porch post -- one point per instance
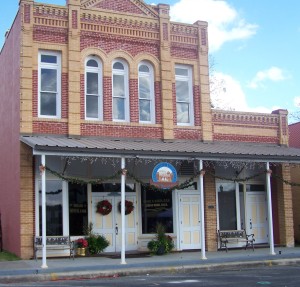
(201, 186)
(43, 175)
(270, 215)
(123, 210)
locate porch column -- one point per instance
(43, 175)
(201, 186)
(123, 209)
(270, 215)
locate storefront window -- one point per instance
(78, 215)
(227, 206)
(54, 204)
(157, 208)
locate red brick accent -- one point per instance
(197, 110)
(165, 32)
(64, 95)
(107, 99)
(134, 101)
(82, 97)
(50, 34)
(35, 93)
(245, 138)
(133, 46)
(74, 19)
(187, 134)
(203, 37)
(121, 131)
(158, 102)
(120, 6)
(182, 51)
(53, 128)
(27, 10)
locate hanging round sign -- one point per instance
(164, 175)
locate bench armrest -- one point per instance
(250, 237)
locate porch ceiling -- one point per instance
(175, 149)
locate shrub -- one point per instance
(162, 243)
(97, 243)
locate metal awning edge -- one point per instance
(39, 146)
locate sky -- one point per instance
(253, 49)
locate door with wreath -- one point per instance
(106, 218)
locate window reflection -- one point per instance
(54, 222)
(157, 208)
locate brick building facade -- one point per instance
(95, 82)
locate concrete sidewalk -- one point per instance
(104, 266)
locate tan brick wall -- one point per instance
(26, 201)
(295, 177)
(285, 207)
(210, 212)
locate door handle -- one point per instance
(117, 230)
(250, 224)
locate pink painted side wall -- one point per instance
(9, 139)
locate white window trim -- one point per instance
(189, 79)
(126, 92)
(152, 94)
(100, 87)
(51, 66)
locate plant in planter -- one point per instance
(162, 243)
(97, 243)
(81, 245)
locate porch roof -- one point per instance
(175, 149)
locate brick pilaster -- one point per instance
(26, 63)
(166, 75)
(74, 63)
(285, 208)
(26, 201)
(210, 210)
(205, 104)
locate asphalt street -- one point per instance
(279, 276)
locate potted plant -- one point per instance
(162, 243)
(96, 242)
(81, 245)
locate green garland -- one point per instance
(78, 180)
(186, 184)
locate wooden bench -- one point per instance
(54, 243)
(235, 236)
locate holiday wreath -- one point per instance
(104, 207)
(129, 207)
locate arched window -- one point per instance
(146, 93)
(184, 95)
(120, 91)
(93, 89)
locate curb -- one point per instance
(81, 275)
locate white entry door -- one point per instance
(257, 216)
(111, 225)
(189, 220)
